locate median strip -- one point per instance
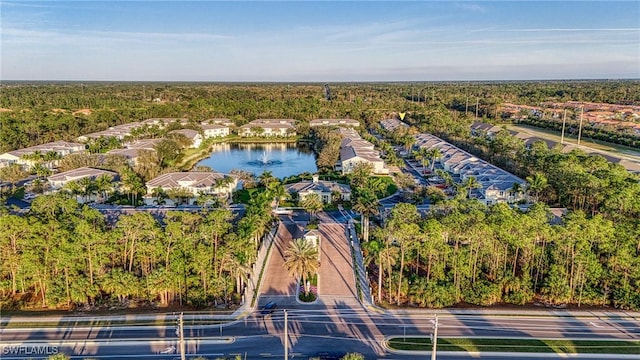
(517, 345)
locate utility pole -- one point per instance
(435, 339)
(183, 356)
(564, 121)
(477, 104)
(466, 106)
(580, 128)
(286, 336)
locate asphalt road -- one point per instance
(313, 330)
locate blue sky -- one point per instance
(318, 41)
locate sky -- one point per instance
(318, 41)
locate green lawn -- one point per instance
(518, 345)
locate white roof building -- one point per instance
(195, 182)
(334, 122)
(497, 184)
(58, 181)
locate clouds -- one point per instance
(373, 41)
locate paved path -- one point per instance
(336, 279)
(277, 281)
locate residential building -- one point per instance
(163, 122)
(334, 122)
(268, 128)
(219, 121)
(215, 130)
(193, 182)
(24, 156)
(59, 180)
(194, 136)
(131, 154)
(145, 144)
(355, 150)
(313, 237)
(119, 132)
(324, 189)
(497, 185)
(392, 125)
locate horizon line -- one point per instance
(2, 82)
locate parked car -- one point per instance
(268, 308)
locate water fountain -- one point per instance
(264, 160)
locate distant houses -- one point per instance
(27, 157)
(334, 122)
(392, 125)
(219, 121)
(489, 131)
(268, 128)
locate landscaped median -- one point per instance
(488, 345)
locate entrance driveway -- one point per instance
(336, 283)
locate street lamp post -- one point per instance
(435, 339)
(286, 336)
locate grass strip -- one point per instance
(518, 345)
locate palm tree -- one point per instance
(422, 156)
(301, 260)
(537, 184)
(374, 253)
(312, 203)
(408, 141)
(445, 176)
(73, 188)
(40, 170)
(278, 191)
(104, 185)
(87, 187)
(367, 205)
(516, 189)
(266, 178)
(469, 184)
(131, 184)
(433, 155)
(159, 194)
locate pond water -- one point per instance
(283, 159)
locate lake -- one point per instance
(284, 159)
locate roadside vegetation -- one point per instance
(518, 345)
(63, 255)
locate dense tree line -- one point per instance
(65, 255)
(465, 252)
(43, 112)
